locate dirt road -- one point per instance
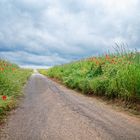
(50, 111)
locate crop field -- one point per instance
(12, 79)
(115, 76)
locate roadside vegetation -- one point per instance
(115, 76)
(12, 79)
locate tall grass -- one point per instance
(12, 79)
(112, 75)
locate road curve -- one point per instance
(50, 111)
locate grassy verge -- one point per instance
(115, 76)
(12, 79)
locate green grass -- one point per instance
(12, 80)
(115, 76)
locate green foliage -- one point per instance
(114, 75)
(12, 79)
(98, 85)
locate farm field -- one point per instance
(12, 79)
(115, 76)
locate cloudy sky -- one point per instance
(50, 32)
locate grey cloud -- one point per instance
(54, 32)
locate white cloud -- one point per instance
(59, 31)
